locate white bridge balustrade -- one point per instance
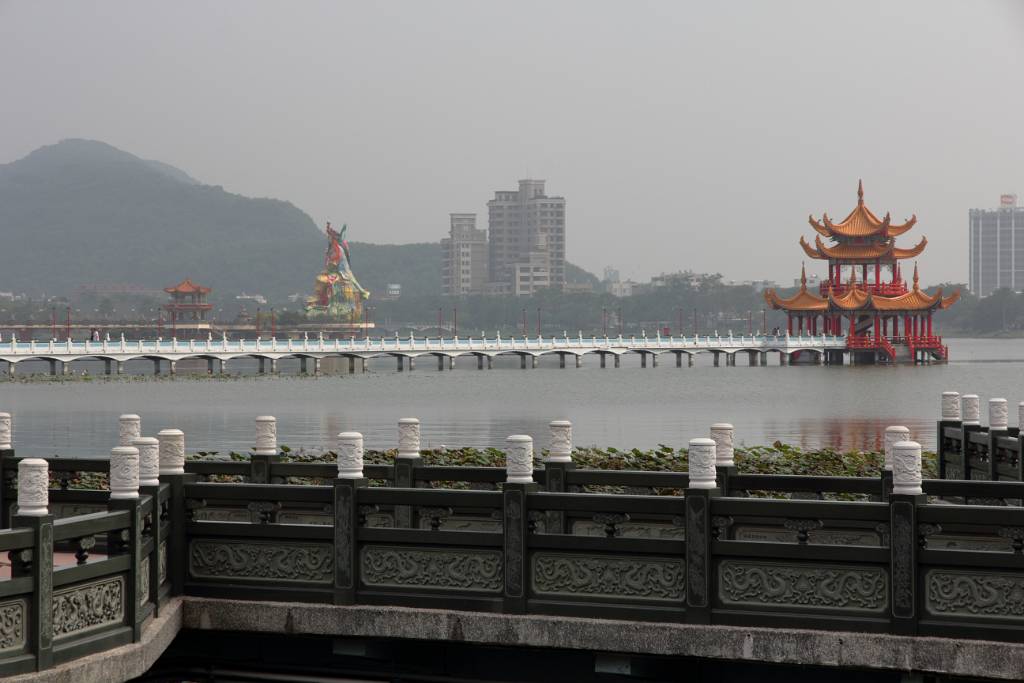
(167, 352)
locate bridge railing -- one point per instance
(556, 541)
(409, 344)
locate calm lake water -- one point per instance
(811, 406)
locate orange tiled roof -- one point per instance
(884, 251)
(916, 299)
(801, 301)
(861, 222)
(186, 286)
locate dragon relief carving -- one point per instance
(261, 561)
(863, 589)
(88, 606)
(630, 577)
(980, 594)
(392, 566)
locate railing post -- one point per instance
(346, 517)
(6, 452)
(172, 470)
(124, 495)
(950, 418)
(129, 428)
(149, 485)
(903, 503)
(33, 512)
(406, 462)
(893, 435)
(725, 466)
(515, 520)
(557, 463)
(998, 426)
(265, 452)
(702, 486)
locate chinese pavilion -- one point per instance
(865, 296)
(188, 302)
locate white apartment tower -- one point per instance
(527, 240)
(464, 257)
(996, 258)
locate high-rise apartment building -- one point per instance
(527, 240)
(464, 257)
(997, 248)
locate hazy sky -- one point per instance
(682, 134)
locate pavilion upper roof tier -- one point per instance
(886, 251)
(861, 222)
(186, 286)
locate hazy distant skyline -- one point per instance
(683, 135)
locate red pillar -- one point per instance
(885, 327)
(878, 273)
(877, 330)
(929, 324)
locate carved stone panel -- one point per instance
(89, 606)
(585, 527)
(144, 581)
(444, 569)
(994, 595)
(815, 536)
(261, 561)
(825, 587)
(12, 625)
(162, 568)
(635, 578)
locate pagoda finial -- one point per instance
(853, 278)
(803, 276)
(860, 191)
(916, 286)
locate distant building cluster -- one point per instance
(521, 252)
(614, 285)
(996, 255)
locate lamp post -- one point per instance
(455, 321)
(538, 322)
(273, 324)
(524, 322)
(67, 325)
(604, 320)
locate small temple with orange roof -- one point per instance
(188, 304)
(865, 297)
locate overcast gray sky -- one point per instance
(683, 135)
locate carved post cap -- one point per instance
(129, 427)
(560, 449)
(33, 487)
(266, 435)
(906, 468)
(350, 455)
(702, 464)
(6, 435)
(149, 460)
(172, 451)
(519, 459)
(722, 435)
(998, 413)
(950, 405)
(409, 437)
(970, 408)
(894, 435)
(124, 473)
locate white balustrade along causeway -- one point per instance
(409, 348)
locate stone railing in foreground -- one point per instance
(532, 541)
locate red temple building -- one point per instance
(865, 297)
(188, 304)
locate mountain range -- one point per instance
(82, 212)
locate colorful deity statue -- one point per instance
(337, 294)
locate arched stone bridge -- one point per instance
(407, 350)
